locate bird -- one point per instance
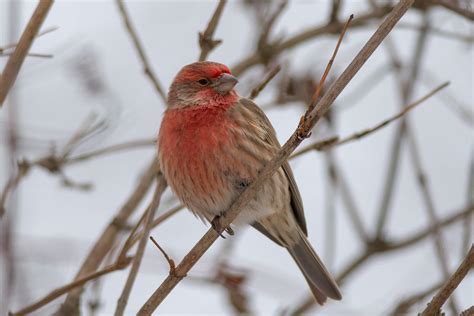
(211, 145)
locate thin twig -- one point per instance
(139, 143)
(384, 123)
(430, 208)
(160, 219)
(170, 261)
(462, 111)
(256, 91)
(350, 205)
(141, 51)
(206, 40)
(445, 292)
(331, 142)
(454, 7)
(44, 32)
(403, 307)
(128, 242)
(440, 32)
(249, 193)
(37, 55)
(11, 185)
(10, 72)
(119, 265)
(406, 89)
(264, 48)
(320, 85)
(123, 299)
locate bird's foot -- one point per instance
(215, 223)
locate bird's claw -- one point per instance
(218, 228)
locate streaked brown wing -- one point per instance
(296, 203)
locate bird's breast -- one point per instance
(194, 155)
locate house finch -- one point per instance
(212, 144)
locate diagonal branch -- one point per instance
(332, 142)
(206, 41)
(141, 51)
(256, 91)
(123, 299)
(403, 307)
(13, 45)
(406, 89)
(454, 7)
(119, 265)
(445, 292)
(249, 193)
(10, 72)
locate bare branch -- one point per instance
(256, 91)
(335, 8)
(454, 7)
(123, 299)
(10, 72)
(160, 219)
(430, 209)
(141, 51)
(206, 41)
(68, 287)
(139, 143)
(445, 292)
(265, 48)
(440, 32)
(319, 87)
(37, 55)
(332, 142)
(170, 261)
(44, 32)
(11, 185)
(403, 307)
(406, 89)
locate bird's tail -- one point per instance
(319, 280)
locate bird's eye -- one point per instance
(204, 82)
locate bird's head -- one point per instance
(202, 83)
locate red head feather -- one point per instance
(205, 69)
(200, 84)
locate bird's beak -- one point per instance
(225, 83)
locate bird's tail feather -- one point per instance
(319, 279)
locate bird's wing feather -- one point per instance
(296, 202)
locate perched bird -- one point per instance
(212, 144)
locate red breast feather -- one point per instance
(191, 143)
